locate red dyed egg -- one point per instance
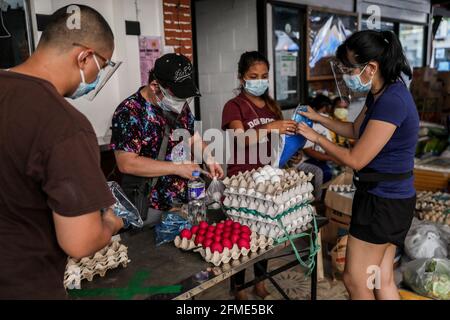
(195, 229)
(226, 243)
(199, 239)
(207, 243)
(237, 225)
(201, 232)
(242, 243)
(216, 246)
(186, 233)
(218, 231)
(203, 225)
(234, 238)
(211, 228)
(220, 226)
(246, 229)
(245, 236)
(209, 235)
(229, 223)
(226, 235)
(236, 231)
(217, 238)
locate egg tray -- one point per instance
(342, 188)
(434, 206)
(267, 180)
(267, 207)
(110, 257)
(258, 244)
(292, 223)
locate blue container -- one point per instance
(292, 144)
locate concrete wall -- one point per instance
(225, 30)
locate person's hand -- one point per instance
(216, 170)
(185, 170)
(283, 126)
(311, 114)
(296, 158)
(308, 132)
(114, 221)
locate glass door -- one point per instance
(15, 33)
(288, 54)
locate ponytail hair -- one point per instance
(247, 60)
(383, 47)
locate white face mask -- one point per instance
(171, 103)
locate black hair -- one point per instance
(320, 101)
(247, 60)
(93, 30)
(383, 47)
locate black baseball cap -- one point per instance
(176, 71)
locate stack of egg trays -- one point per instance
(110, 257)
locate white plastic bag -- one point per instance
(426, 240)
(214, 193)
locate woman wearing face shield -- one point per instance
(383, 159)
(139, 125)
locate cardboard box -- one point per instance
(339, 210)
(338, 224)
(338, 201)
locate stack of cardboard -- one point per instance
(431, 91)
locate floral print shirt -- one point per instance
(138, 127)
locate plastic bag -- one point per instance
(123, 208)
(429, 277)
(290, 145)
(170, 226)
(214, 194)
(426, 240)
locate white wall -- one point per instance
(127, 79)
(225, 30)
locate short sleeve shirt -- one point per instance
(395, 106)
(50, 162)
(138, 127)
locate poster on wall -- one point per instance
(149, 51)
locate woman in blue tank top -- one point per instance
(383, 159)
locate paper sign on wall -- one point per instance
(149, 51)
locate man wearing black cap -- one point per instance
(139, 125)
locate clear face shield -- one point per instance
(106, 73)
(345, 77)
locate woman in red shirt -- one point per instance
(253, 109)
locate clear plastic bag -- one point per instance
(170, 226)
(429, 277)
(123, 208)
(214, 194)
(426, 240)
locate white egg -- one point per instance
(275, 179)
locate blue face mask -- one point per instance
(256, 87)
(84, 88)
(355, 84)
